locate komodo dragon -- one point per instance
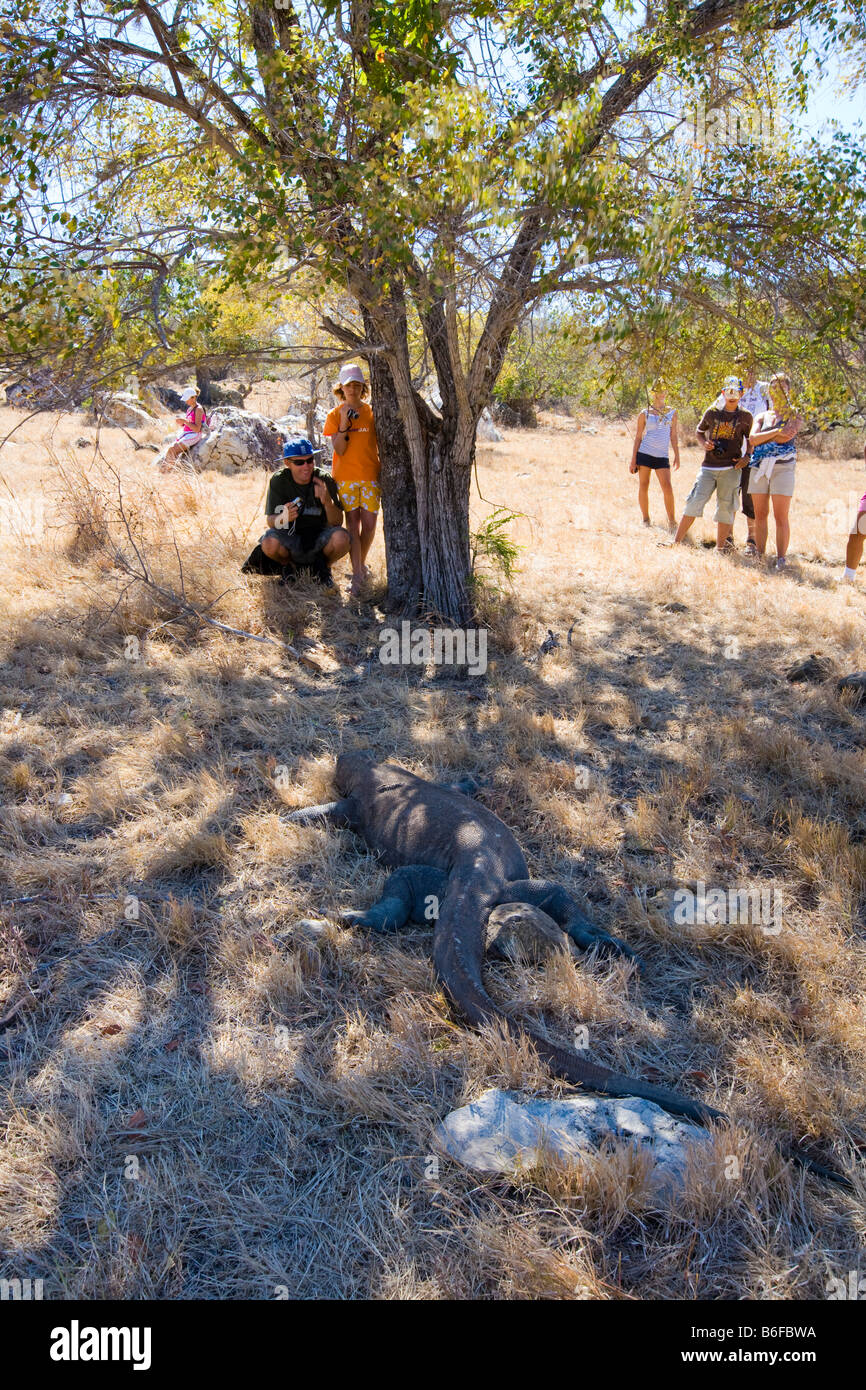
(456, 851)
(447, 847)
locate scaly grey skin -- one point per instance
(450, 848)
(446, 847)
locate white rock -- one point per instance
(487, 431)
(499, 1134)
(124, 409)
(238, 442)
(311, 928)
(292, 424)
(295, 422)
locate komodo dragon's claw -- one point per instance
(587, 935)
(384, 916)
(615, 947)
(610, 945)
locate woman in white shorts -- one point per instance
(774, 465)
(195, 426)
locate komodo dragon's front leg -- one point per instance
(342, 813)
(339, 813)
(565, 911)
(411, 894)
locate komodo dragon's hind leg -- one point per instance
(411, 894)
(562, 907)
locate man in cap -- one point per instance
(756, 400)
(304, 516)
(721, 432)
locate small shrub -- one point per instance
(491, 543)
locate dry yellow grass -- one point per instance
(202, 1098)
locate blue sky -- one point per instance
(829, 103)
(830, 99)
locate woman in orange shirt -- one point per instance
(355, 466)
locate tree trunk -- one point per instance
(443, 526)
(400, 511)
(426, 471)
(203, 378)
(311, 422)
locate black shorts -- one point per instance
(288, 538)
(647, 461)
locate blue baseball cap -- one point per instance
(299, 448)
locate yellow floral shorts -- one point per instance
(355, 495)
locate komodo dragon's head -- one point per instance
(351, 768)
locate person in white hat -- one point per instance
(755, 400)
(356, 468)
(195, 427)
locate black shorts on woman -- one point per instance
(648, 461)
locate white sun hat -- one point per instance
(350, 373)
(188, 394)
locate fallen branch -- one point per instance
(170, 598)
(187, 609)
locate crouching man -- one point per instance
(304, 516)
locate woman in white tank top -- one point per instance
(656, 433)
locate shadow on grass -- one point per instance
(246, 1174)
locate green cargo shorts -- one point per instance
(724, 482)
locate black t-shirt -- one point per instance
(312, 518)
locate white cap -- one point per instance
(188, 394)
(350, 373)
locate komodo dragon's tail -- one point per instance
(458, 953)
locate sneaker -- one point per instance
(750, 548)
(781, 562)
(729, 544)
(646, 521)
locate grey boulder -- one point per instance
(500, 1134)
(123, 409)
(487, 431)
(237, 442)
